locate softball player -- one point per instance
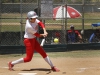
(31, 43)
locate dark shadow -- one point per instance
(40, 69)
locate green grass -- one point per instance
(67, 54)
(10, 28)
(14, 18)
(77, 54)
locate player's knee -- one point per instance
(44, 55)
(27, 59)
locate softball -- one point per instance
(56, 40)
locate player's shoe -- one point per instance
(55, 69)
(10, 66)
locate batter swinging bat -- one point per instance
(43, 42)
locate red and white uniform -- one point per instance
(31, 28)
(30, 41)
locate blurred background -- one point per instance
(13, 14)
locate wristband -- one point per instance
(37, 34)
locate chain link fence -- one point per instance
(13, 17)
(0, 22)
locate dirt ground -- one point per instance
(67, 66)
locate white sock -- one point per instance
(47, 59)
(21, 60)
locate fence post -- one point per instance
(21, 26)
(83, 3)
(0, 22)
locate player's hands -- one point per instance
(43, 35)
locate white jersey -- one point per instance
(31, 28)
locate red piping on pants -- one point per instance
(31, 46)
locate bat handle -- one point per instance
(43, 41)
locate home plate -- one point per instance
(27, 73)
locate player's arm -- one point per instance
(35, 33)
(91, 37)
(43, 27)
(79, 35)
(39, 35)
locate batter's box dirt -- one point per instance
(67, 66)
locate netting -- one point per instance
(13, 16)
(0, 21)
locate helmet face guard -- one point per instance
(32, 14)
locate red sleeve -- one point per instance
(41, 24)
(77, 32)
(37, 34)
(69, 31)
